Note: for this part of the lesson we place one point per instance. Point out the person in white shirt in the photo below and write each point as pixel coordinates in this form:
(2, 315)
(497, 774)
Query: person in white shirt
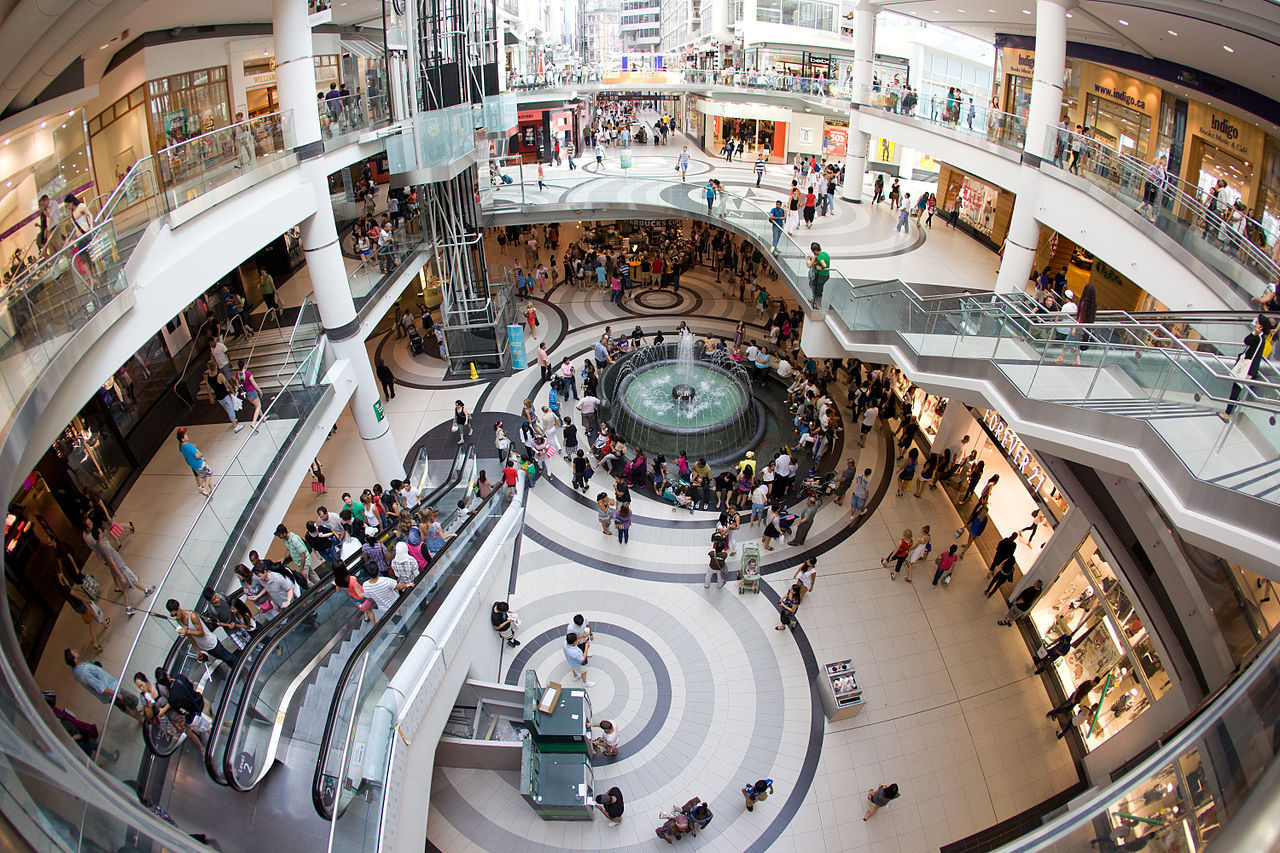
(784, 368)
(759, 500)
(786, 470)
(383, 591)
(607, 743)
(580, 626)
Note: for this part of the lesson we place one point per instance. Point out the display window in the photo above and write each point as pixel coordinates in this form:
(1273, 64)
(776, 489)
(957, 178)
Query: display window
(978, 204)
(1169, 812)
(1109, 647)
(1118, 127)
(185, 105)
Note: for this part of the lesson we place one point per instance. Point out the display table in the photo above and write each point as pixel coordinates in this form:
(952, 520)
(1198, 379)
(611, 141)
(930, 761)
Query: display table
(840, 690)
(556, 776)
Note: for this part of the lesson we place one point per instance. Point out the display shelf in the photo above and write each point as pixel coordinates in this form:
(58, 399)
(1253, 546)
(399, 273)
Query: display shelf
(840, 690)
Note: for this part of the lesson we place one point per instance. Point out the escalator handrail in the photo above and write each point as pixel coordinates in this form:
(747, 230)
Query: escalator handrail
(290, 619)
(348, 669)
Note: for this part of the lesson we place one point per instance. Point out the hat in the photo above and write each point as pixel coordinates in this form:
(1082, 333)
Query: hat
(751, 454)
(1068, 294)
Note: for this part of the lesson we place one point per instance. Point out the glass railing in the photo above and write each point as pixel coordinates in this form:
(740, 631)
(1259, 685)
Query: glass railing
(612, 189)
(342, 116)
(246, 727)
(1225, 239)
(42, 309)
(200, 561)
(1192, 787)
(363, 710)
(382, 262)
(960, 117)
(189, 169)
(1148, 369)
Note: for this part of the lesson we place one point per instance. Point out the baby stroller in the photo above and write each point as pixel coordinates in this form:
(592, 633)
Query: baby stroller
(416, 347)
(749, 574)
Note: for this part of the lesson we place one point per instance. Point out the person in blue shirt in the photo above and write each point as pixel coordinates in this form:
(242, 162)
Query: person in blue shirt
(777, 217)
(757, 792)
(710, 190)
(102, 684)
(196, 462)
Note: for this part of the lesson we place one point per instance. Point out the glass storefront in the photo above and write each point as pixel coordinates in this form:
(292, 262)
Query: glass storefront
(1118, 127)
(1173, 811)
(977, 203)
(1110, 645)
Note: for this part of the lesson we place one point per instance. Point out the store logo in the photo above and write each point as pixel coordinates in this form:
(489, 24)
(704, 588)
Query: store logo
(1224, 126)
(1015, 450)
(1027, 61)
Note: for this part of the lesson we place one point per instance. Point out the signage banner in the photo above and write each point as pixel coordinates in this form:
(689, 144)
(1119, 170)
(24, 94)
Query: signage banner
(515, 337)
(836, 141)
(1020, 63)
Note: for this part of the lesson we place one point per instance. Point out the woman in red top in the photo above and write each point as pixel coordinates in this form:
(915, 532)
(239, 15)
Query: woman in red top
(342, 580)
(810, 203)
(899, 554)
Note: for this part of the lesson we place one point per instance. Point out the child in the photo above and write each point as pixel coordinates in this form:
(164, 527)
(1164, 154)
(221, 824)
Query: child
(946, 564)
(680, 497)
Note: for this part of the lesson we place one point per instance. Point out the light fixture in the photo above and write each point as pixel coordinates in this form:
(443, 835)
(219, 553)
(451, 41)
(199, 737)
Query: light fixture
(1070, 15)
(1228, 48)
(1123, 22)
(43, 123)
(1172, 33)
(1026, 11)
(104, 46)
(6, 142)
(992, 11)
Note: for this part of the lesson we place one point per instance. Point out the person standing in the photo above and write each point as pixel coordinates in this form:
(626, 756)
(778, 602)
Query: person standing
(544, 361)
(861, 492)
(223, 390)
(759, 168)
(387, 378)
(879, 797)
(868, 421)
(904, 215)
(1249, 361)
(845, 480)
(503, 622)
(576, 656)
(607, 743)
(1002, 563)
(807, 574)
(788, 606)
(682, 163)
(1022, 603)
(191, 627)
(819, 264)
(461, 421)
(102, 684)
(806, 521)
(777, 219)
(716, 567)
(267, 286)
(610, 805)
(298, 552)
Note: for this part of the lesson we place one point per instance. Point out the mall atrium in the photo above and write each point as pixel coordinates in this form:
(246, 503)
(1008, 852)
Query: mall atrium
(487, 425)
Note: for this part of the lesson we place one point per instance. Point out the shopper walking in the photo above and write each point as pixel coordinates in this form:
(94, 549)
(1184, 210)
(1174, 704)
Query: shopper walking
(622, 522)
(387, 379)
(899, 554)
(1022, 603)
(757, 792)
(788, 606)
(610, 805)
(919, 551)
(124, 578)
(223, 390)
(461, 421)
(880, 797)
(103, 685)
(861, 492)
(191, 627)
(1002, 563)
(946, 564)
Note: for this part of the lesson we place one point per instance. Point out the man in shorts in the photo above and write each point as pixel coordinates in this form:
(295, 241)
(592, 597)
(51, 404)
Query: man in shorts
(845, 480)
(868, 421)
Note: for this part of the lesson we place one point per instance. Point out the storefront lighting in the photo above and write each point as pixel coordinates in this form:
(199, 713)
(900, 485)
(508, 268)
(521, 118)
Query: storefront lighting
(43, 123)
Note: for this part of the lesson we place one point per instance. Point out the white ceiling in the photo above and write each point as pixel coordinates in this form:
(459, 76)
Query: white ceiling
(1251, 28)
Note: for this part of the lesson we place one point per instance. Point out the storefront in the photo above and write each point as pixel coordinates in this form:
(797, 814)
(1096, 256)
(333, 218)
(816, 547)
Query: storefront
(760, 128)
(1173, 810)
(1014, 67)
(261, 96)
(1110, 646)
(984, 209)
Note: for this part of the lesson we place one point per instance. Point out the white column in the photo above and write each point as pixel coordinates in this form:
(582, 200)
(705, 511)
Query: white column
(295, 69)
(1046, 107)
(320, 237)
(864, 54)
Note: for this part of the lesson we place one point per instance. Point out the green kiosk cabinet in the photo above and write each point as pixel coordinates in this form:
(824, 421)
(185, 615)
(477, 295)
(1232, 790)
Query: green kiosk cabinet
(556, 777)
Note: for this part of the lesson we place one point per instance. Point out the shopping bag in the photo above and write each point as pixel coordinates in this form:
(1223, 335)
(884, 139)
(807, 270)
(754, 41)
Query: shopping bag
(316, 487)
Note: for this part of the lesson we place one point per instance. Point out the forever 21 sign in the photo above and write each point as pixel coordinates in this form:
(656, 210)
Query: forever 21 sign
(1015, 450)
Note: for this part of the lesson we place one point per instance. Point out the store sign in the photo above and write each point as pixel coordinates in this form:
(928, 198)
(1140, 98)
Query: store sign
(529, 115)
(1019, 457)
(1020, 63)
(1229, 133)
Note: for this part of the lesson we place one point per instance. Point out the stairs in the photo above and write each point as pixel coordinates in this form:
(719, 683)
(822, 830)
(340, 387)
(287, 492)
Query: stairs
(271, 359)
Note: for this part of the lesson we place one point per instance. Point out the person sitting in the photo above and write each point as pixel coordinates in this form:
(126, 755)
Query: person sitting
(680, 497)
(673, 827)
(635, 470)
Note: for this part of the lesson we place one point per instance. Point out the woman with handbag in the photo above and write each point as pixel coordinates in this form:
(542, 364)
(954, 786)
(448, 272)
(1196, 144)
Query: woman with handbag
(224, 394)
(251, 393)
(461, 420)
(1247, 363)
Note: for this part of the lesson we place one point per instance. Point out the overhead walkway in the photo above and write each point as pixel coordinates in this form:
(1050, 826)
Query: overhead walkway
(1142, 395)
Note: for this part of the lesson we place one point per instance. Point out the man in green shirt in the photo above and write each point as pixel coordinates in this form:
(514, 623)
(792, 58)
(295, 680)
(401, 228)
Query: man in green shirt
(267, 285)
(819, 271)
(299, 551)
(357, 508)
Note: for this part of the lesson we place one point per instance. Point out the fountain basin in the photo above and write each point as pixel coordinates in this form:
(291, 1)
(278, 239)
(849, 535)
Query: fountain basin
(702, 408)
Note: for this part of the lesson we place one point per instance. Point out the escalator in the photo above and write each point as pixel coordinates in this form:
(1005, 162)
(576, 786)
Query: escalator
(257, 707)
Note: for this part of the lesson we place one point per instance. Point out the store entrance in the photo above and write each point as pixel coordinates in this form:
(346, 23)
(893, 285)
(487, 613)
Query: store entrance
(1118, 127)
(1207, 164)
(262, 101)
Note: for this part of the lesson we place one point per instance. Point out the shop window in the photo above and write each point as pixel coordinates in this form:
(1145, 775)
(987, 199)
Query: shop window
(185, 105)
(1174, 809)
(1109, 643)
(1118, 127)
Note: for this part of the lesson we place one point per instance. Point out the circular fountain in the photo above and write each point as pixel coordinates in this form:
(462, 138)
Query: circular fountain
(667, 398)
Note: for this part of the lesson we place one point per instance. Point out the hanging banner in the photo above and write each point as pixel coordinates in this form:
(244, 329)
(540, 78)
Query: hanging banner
(515, 337)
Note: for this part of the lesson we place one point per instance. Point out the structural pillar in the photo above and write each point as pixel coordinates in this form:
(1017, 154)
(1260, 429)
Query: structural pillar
(1046, 107)
(296, 84)
(864, 55)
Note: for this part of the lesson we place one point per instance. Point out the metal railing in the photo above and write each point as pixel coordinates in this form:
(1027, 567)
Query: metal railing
(1220, 237)
(961, 117)
(1148, 368)
(344, 115)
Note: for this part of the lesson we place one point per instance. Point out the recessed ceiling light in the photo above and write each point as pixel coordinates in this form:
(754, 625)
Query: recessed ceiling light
(43, 123)
(992, 11)
(1228, 48)
(961, 11)
(6, 142)
(1172, 33)
(1026, 11)
(104, 46)
(1069, 15)
(1123, 22)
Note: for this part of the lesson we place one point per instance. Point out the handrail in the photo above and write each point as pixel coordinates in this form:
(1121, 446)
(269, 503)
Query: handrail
(190, 355)
(297, 324)
(994, 302)
(262, 325)
(1092, 804)
(357, 653)
(287, 622)
(159, 587)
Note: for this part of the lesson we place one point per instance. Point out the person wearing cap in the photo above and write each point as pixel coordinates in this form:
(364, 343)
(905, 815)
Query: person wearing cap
(749, 459)
(299, 552)
(1068, 311)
